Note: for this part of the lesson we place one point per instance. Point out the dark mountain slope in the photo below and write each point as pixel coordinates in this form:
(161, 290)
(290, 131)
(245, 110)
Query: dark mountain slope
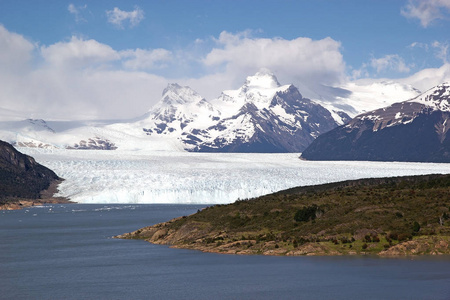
(21, 176)
(413, 130)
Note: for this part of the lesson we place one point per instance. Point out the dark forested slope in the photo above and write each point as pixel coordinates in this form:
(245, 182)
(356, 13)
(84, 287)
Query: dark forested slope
(391, 216)
(21, 177)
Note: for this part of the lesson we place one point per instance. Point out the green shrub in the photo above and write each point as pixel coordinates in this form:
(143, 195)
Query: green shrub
(399, 214)
(393, 236)
(416, 227)
(307, 213)
(404, 237)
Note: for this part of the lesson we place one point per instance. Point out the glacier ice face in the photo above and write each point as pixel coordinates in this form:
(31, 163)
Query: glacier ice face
(209, 178)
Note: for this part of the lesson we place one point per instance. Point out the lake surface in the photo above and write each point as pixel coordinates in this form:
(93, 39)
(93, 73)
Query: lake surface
(66, 252)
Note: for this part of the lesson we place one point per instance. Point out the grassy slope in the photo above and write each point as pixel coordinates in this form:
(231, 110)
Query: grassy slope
(352, 217)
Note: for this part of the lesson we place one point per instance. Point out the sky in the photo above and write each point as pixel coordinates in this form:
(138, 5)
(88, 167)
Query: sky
(108, 59)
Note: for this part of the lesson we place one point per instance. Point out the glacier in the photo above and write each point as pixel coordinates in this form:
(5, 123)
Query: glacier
(121, 176)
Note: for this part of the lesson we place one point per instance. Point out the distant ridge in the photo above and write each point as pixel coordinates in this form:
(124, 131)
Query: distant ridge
(260, 116)
(416, 130)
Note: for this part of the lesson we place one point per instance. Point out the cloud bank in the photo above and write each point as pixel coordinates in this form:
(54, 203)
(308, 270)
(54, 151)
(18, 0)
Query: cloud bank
(82, 78)
(302, 61)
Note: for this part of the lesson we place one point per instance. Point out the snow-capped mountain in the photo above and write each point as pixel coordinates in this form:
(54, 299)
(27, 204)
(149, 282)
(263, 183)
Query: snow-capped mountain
(180, 109)
(361, 96)
(260, 116)
(413, 130)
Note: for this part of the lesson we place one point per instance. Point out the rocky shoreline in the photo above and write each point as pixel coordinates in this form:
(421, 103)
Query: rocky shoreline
(219, 242)
(395, 216)
(46, 197)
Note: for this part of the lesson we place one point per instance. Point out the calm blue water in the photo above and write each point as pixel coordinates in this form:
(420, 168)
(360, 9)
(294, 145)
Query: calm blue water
(66, 252)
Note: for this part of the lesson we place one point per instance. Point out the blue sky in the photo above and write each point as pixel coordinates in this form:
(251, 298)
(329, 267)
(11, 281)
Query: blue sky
(97, 55)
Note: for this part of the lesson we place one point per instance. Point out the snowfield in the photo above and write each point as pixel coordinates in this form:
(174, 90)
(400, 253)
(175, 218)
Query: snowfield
(94, 176)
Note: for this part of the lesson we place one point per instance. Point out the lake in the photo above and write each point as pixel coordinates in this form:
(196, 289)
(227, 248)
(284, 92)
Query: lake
(66, 252)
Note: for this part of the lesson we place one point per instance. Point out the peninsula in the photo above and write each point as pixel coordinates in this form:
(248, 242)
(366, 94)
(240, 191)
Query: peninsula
(381, 216)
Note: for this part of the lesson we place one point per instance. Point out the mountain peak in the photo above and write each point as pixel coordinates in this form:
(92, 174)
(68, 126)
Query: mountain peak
(171, 87)
(177, 94)
(262, 79)
(438, 98)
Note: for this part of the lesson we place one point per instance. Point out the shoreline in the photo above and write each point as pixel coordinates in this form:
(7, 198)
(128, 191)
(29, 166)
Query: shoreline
(46, 197)
(161, 234)
(395, 216)
(423, 246)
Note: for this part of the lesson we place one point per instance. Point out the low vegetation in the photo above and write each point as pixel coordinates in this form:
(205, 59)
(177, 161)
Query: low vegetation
(387, 216)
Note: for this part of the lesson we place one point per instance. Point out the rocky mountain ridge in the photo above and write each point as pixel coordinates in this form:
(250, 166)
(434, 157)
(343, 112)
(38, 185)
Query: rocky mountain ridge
(21, 177)
(260, 116)
(412, 130)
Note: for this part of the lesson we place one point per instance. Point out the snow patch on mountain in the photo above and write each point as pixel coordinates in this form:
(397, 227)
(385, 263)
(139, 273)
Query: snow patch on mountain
(180, 109)
(258, 89)
(363, 96)
(437, 98)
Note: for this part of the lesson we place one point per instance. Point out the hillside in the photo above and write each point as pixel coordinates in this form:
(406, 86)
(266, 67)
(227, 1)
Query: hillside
(416, 130)
(24, 181)
(386, 216)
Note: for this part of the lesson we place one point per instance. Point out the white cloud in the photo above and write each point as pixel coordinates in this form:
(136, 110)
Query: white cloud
(442, 51)
(77, 12)
(73, 80)
(118, 17)
(360, 73)
(426, 11)
(428, 78)
(307, 63)
(83, 78)
(419, 45)
(78, 53)
(140, 59)
(392, 62)
(16, 54)
(388, 63)
(91, 94)
(15, 51)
